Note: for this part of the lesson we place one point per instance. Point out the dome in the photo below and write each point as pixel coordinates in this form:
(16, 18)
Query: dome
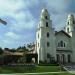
(71, 16)
(44, 13)
(44, 10)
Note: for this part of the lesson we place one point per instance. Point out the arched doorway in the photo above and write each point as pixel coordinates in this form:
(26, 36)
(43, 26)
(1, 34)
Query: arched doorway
(48, 58)
(63, 58)
(58, 58)
(69, 58)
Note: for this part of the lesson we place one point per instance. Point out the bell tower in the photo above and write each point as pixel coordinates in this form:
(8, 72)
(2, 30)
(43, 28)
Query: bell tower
(70, 29)
(45, 38)
(70, 24)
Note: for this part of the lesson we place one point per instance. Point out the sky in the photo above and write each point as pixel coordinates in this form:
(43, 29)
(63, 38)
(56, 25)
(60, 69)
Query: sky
(22, 17)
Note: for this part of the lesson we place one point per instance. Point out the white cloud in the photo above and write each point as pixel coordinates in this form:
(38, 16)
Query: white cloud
(18, 10)
(59, 6)
(20, 18)
(58, 12)
(12, 35)
(5, 41)
(24, 20)
(11, 5)
(30, 3)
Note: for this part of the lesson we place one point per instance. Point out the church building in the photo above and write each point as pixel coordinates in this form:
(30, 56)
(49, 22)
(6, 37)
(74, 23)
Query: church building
(55, 46)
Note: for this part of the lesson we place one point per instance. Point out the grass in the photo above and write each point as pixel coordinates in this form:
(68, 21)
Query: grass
(23, 69)
(38, 69)
(47, 69)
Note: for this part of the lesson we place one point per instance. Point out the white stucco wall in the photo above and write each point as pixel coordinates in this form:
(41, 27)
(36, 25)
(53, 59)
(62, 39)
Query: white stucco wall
(62, 37)
(73, 46)
(66, 56)
(53, 39)
(42, 50)
(67, 50)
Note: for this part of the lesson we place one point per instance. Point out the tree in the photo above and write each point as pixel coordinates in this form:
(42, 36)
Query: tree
(13, 50)
(19, 48)
(22, 49)
(1, 50)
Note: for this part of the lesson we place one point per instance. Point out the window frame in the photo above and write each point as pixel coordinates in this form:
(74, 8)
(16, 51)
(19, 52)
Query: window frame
(68, 23)
(68, 29)
(48, 44)
(61, 44)
(46, 17)
(46, 24)
(47, 34)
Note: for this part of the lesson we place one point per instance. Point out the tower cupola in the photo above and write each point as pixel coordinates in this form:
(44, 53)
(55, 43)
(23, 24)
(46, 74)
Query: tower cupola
(45, 14)
(70, 19)
(70, 16)
(70, 25)
(45, 19)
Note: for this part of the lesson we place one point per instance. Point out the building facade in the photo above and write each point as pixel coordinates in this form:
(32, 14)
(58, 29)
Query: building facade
(55, 46)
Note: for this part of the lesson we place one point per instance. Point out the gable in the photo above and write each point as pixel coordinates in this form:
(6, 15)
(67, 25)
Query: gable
(63, 36)
(62, 33)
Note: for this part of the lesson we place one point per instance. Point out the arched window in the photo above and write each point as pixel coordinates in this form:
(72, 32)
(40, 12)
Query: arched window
(68, 23)
(68, 30)
(58, 44)
(47, 34)
(46, 17)
(61, 43)
(58, 57)
(64, 44)
(48, 44)
(46, 24)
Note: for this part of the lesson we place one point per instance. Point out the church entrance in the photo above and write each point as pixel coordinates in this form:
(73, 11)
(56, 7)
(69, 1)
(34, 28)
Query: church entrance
(48, 58)
(63, 58)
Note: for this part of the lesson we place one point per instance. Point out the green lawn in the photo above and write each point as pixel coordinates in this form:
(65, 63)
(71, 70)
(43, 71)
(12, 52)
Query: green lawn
(47, 69)
(38, 69)
(23, 69)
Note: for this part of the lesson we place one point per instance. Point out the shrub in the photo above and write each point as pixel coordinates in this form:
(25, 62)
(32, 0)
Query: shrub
(48, 64)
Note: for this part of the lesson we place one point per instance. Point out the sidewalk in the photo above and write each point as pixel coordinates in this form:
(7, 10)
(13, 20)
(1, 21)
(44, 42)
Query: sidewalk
(42, 73)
